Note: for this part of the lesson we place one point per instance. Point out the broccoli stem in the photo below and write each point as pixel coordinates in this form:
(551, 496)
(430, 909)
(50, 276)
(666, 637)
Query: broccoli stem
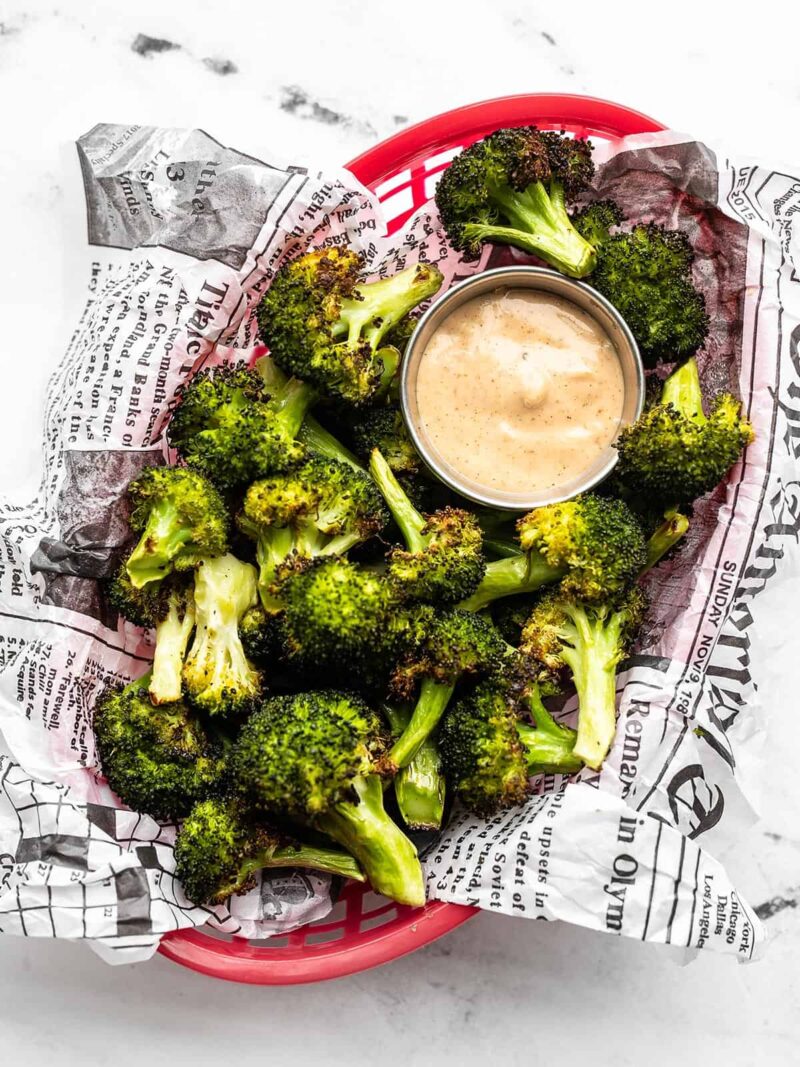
(433, 700)
(665, 537)
(161, 540)
(593, 663)
(378, 306)
(523, 573)
(420, 787)
(540, 225)
(294, 402)
(271, 551)
(404, 513)
(312, 434)
(172, 637)
(682, 390)
(549, 746)
(500, 548)
(386, 855)
(311, 857)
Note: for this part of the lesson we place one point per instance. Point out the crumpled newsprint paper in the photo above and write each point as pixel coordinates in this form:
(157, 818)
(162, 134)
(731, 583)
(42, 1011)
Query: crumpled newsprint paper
(184, 236)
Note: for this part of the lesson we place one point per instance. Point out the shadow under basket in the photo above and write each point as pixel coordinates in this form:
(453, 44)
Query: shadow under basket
(364, 929)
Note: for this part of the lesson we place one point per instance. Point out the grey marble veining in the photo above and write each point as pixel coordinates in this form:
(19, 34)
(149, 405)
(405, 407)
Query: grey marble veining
(321, 82)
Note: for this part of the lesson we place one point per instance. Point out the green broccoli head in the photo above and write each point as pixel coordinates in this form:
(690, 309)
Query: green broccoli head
(261, 635)
(646, 274)
(323, 508)
(219, 678)
(319, 757)
(384, 428)
(443, 559)
(674, 452)
(596, 220)
(228, 427)
(334, 610)
(449, 564)
(482, 754)
(595, 541)
(512, 188)
(181, 519)
(143, 605)
(489, 752)
(158, 760)
(300, 754)
(220, 848)
(324, 324)
(446, 645)
(588, 642)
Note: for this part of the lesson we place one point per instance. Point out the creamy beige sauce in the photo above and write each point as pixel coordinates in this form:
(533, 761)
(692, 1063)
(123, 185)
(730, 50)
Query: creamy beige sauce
(519, 390)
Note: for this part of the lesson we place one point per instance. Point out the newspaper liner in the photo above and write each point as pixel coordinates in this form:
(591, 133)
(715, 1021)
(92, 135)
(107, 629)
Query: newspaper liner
(184, 236)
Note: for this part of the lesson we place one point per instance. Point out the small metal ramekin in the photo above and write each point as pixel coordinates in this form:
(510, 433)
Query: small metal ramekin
(542, 280)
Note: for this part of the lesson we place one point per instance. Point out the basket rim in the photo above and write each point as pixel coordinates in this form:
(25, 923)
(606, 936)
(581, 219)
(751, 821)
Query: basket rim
(412, 928)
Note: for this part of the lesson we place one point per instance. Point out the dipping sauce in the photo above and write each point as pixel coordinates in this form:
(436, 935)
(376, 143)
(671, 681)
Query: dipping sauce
(520, 390)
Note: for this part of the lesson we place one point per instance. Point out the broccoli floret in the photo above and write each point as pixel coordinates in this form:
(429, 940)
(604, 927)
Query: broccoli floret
(596, 220)
(218, 676)
(588, 641)
(181, 519)
(419, 788)
(449, 646)
(512, 188)
(443, 560)
(593, 544)
(232, 430)
(334, 611)
(489, 753)
(323, 508)
(674, 453)
(324, 324)
(158, 760)
(220, 848)
(262, 635)
(167, 605)
(646, 274)
(312, 435)
(319, 757)
(384, 428)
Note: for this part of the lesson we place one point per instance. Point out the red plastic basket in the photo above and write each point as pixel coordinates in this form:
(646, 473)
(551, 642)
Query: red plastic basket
(365, 930)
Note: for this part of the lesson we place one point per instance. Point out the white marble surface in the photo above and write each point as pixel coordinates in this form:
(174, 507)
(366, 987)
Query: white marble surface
(325, 80)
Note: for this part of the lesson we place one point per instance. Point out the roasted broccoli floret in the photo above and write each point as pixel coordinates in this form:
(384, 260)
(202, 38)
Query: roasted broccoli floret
(181, 519)
(158, 760)
(312, 435)
(587, 641)
(512, 188)
(448, 646)
(324, 324)
(489, 752)
(384, 428)
(323, 508)
(593, 545)
(596, 220)
(262, 635)
(334, 611)
(647, 276)
(220, 848)
(219, 678)
(232, 430)
(674, 453)
(319, 757)
(167, 605)
(419, 788)
(443, 560)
